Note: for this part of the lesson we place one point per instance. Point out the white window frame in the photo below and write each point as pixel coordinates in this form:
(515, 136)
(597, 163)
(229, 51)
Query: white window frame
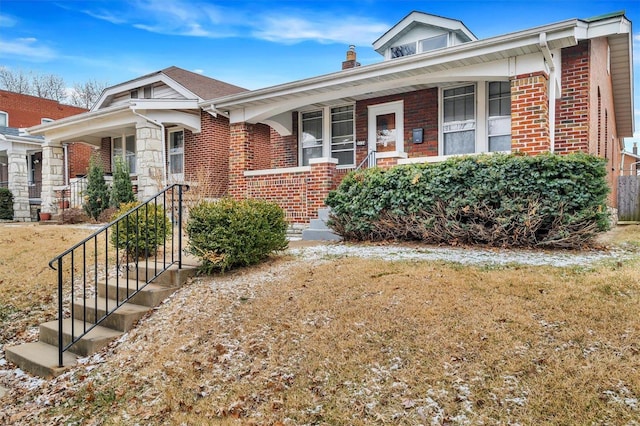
(397, 108)
(498, 117)
(125, 157)
(178, 177)
(327, 135)
(46, 120)
(476, 121)
(6, 118)
(301, 146)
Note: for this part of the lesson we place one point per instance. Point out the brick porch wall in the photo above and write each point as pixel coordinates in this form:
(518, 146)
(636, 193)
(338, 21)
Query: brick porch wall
(79, 155)
(284, 149)
(530, 114)
(206, 154)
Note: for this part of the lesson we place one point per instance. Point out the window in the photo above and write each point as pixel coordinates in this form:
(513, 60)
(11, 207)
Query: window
(342, 140)
(46, 120)
(339, 131)
(499, 122)
(433, 43)
(4, 119)
(459, 121)
(134, 94)
(176, 152)
(128, 154)
(403, 50)
(311, 136)
(148, 92)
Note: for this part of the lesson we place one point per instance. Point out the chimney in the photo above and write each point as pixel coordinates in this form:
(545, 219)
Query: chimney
(351, 59)
(635, 148)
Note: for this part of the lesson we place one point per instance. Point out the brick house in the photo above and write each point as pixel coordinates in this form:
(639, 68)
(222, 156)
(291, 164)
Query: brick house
(21, 153)
(438, 92)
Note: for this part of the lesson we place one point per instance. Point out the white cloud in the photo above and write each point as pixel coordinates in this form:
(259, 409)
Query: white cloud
(26, 48)
(283, 29)
(199, 71)
(7, 21)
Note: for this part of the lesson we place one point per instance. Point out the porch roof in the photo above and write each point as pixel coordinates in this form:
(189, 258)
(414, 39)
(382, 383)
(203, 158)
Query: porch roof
(92, 126)
(478, 59)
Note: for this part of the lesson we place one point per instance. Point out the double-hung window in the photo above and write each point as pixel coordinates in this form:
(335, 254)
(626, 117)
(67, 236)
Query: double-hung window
(4, 119)
(176, 152)
(499, 121)
(459, 120)
(125, 148)
(328, 132)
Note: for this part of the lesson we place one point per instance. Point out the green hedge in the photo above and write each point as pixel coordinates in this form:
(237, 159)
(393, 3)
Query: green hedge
(6, 204)
(229, 233)
(500, 200)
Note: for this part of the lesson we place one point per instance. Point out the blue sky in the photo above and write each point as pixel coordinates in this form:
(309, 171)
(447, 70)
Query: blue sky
(252, 44)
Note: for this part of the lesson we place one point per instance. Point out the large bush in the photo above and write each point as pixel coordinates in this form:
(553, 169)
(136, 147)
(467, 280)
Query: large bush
(500, 200)
(229, 233)
(6, 204)
(143, 231)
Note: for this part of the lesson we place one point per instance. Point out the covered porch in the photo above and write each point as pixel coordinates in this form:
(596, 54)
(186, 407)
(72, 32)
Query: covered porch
(137, 132)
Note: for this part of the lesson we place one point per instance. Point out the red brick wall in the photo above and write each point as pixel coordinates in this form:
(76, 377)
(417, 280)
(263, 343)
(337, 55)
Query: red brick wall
(105, 154)
(79, 155)
(206, 154)
(27, 110)
(239, 159)
(572, 109)
(530, 114)
(284, 149)
(260, 146)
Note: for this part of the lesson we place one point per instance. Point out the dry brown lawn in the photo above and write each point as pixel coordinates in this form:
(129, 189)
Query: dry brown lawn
(352, 341)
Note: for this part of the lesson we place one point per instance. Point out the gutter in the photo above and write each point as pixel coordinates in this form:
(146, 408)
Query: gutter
(162, 138)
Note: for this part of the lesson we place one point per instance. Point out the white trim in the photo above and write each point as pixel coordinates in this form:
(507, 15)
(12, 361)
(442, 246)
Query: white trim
(323, 160)
(391, 154)
(302, 169)
(395, 107)
(6, 114)
(441, 132)
(175, 177)
(327, 134)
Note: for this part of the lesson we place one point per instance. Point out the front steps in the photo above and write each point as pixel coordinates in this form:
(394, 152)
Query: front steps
(318, 229)
(41, 358)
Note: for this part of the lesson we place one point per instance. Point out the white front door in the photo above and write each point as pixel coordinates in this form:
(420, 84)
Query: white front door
(386, 129)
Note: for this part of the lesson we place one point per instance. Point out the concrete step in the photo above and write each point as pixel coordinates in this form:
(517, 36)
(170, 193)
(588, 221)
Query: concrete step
(319, 235)
(40, 359)
(151, 295)
(92, 342)
(323, 214)
(122, 319)
(173, 277)
(318, 224)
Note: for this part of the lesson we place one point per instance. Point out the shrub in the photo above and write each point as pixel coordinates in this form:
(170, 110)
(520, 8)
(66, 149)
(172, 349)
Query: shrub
(229, 233)
(143, 231)
(122, 189)
(97, 193)
(71, 216)
(107, 215)
(499, 200)
(6, 204)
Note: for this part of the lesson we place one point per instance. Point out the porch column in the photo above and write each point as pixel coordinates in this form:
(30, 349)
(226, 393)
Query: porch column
(52, 176)
(148, 160)
(18, 185)
(240, 159)
(530, 114)
(321, 181)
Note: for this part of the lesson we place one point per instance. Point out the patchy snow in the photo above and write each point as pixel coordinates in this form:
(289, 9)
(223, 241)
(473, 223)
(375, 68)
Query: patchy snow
(463, 255)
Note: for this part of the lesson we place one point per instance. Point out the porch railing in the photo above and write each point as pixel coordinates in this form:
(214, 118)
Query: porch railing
(35, 189)
(369, 160)
(97, 261)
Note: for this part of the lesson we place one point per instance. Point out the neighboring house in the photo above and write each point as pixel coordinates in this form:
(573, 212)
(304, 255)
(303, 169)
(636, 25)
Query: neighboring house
(21, 153)
(155, 124)
(438, 92)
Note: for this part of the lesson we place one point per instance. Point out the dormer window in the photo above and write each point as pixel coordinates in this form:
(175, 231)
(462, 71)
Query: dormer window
(134, 94)
(146, 92)
(433, 43)
(403, 50)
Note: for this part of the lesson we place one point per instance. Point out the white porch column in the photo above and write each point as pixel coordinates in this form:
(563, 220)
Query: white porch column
(52, 176)
(148, 159)
(18, 185)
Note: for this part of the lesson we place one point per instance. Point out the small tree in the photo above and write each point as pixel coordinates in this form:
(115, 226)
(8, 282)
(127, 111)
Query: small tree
(122, 190)
(6, 204)
(97, 193)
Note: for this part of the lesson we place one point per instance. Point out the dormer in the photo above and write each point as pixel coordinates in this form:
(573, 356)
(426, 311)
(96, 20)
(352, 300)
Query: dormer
(420, 32)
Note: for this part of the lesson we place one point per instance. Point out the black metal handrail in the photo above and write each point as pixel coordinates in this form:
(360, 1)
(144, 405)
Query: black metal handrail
(86, 271)
(370, 159)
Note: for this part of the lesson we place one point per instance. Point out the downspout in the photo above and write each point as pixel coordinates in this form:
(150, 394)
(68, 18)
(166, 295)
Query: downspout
(548, 57)
(164, 144)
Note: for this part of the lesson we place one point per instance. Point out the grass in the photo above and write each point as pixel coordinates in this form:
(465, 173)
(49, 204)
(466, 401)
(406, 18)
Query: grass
(353, 341)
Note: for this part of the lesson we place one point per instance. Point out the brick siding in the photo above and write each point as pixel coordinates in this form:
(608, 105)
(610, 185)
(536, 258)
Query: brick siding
(530, 114)
(27, 110)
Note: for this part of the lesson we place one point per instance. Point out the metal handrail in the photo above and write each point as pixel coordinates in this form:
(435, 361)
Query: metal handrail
(78, 272)
(370, 159)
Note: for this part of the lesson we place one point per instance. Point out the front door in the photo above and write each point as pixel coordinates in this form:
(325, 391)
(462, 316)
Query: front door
(386, 129)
